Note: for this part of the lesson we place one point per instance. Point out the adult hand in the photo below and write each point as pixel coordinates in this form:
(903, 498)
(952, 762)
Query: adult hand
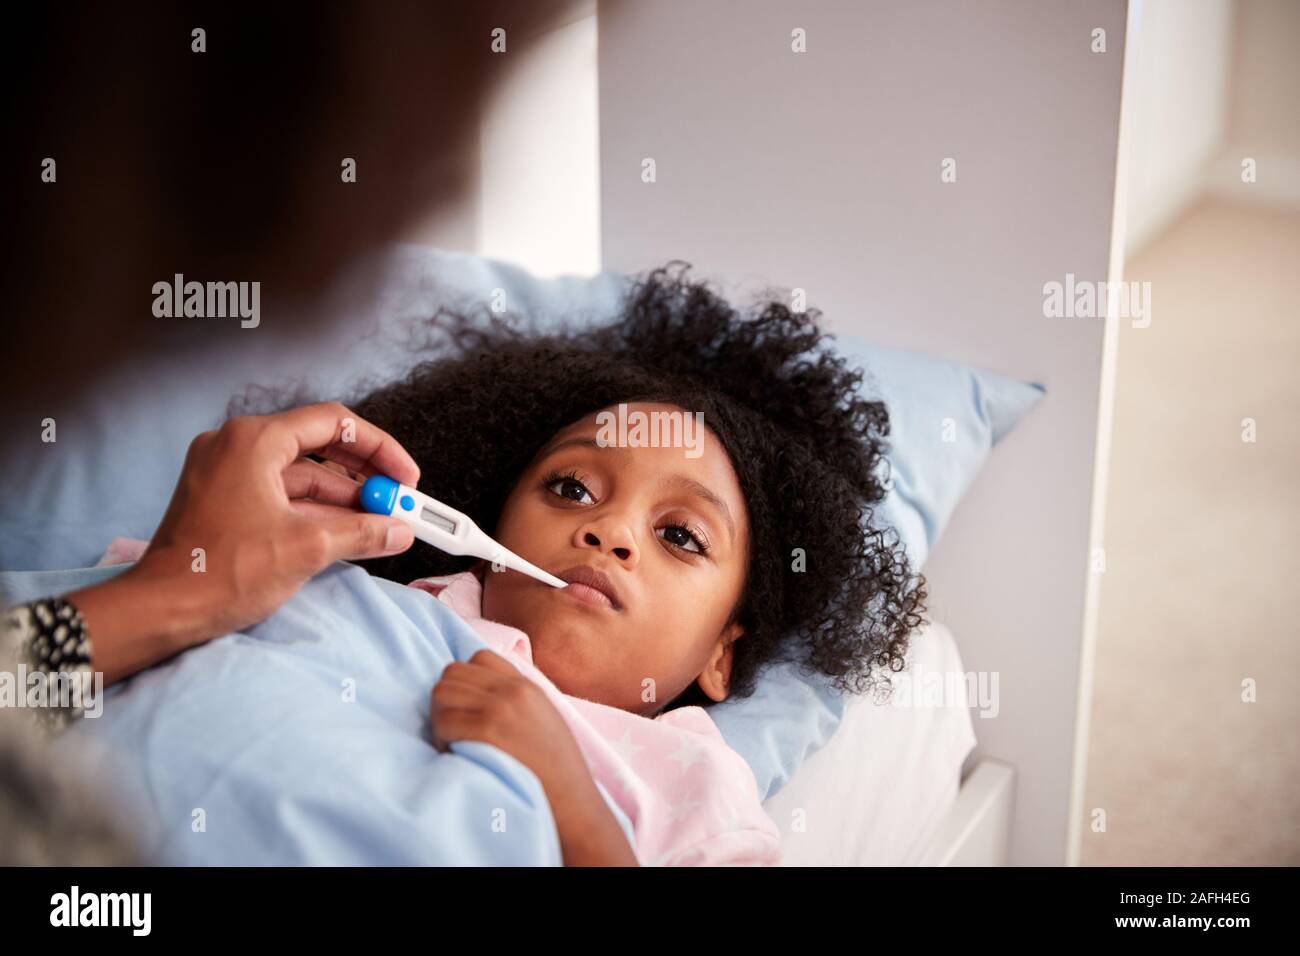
(251, 520)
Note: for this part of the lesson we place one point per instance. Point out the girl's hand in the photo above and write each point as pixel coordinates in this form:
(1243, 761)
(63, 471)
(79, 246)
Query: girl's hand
(251, 520)
(488, 699)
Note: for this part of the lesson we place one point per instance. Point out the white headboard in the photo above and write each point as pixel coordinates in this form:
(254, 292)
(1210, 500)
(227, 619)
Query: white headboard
(821, 170)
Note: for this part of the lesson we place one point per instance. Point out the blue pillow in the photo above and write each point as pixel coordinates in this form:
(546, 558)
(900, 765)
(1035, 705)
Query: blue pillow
(115, 459)
(944, 419)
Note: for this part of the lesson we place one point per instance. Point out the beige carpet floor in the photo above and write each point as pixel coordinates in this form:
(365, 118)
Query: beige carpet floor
(1201, 588)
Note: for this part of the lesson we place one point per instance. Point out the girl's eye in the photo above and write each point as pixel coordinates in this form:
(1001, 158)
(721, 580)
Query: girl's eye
(570, 488)
(566, 485)
(682, 537)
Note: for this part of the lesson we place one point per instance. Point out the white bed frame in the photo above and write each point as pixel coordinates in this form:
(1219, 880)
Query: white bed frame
(821, 170)
(977, 830)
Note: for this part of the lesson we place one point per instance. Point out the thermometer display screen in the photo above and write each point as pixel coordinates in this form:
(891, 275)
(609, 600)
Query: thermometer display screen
(439, 521)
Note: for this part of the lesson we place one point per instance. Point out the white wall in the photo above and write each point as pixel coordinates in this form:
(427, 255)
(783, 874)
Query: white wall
(1263, 105)
(536, 201)
(821, 170)
(1180, 67)
(1213, 82)
(540, 162)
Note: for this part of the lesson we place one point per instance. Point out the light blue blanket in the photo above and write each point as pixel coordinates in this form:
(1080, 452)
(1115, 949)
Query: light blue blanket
(305, 740)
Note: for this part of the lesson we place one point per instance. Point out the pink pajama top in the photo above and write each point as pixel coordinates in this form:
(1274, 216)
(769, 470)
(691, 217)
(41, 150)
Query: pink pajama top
(691, 799)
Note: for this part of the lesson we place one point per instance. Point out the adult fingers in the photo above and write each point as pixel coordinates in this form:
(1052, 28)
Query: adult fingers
(333, 431)
(308, 479)
(351, 536)
(317, 511)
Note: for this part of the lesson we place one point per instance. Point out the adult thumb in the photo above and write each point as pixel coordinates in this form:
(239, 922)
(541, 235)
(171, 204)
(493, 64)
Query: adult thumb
(356, 536)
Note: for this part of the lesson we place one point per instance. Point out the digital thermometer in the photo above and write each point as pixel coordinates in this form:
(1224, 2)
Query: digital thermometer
(443, 527)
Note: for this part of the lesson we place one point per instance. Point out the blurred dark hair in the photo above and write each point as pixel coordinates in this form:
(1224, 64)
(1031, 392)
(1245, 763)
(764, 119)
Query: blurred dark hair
(223, 165)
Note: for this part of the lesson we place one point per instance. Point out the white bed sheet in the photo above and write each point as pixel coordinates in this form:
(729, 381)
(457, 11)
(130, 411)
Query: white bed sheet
(876, 793)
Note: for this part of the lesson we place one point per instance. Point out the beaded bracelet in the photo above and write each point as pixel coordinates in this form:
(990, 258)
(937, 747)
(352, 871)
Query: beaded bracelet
(49, 636)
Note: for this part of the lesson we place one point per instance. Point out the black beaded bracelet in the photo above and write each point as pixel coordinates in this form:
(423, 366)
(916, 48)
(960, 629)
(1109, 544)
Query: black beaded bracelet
(49, 635)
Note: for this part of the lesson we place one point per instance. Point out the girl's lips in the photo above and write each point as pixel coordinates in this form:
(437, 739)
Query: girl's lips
(587, 595)
(592, 587)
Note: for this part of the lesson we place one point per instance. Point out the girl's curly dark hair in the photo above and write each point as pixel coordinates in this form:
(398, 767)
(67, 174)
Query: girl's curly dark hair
(823, 589)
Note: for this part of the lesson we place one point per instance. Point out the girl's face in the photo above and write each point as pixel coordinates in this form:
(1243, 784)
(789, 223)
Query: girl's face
(670, 534)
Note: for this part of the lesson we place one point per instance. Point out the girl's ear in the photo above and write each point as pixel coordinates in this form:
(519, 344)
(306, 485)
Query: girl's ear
(715, 679)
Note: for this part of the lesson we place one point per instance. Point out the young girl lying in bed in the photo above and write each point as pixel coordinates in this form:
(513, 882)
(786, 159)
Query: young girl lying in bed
(691, 566)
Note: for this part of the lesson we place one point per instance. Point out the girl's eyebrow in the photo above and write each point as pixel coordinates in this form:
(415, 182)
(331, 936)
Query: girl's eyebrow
(556, 446)
(702, 491)
(675, 480)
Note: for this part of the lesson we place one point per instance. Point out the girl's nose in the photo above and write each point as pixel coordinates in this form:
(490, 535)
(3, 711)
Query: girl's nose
(612, 537)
